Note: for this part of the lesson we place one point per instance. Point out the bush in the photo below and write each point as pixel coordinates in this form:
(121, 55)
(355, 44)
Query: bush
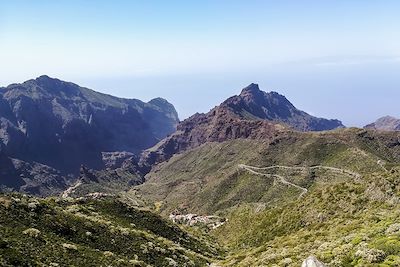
(32, 232)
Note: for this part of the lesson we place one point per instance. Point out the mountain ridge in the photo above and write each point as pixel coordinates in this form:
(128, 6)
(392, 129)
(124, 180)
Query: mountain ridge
(61, 125)
(253, 114)
(276, 107)
(99, 130)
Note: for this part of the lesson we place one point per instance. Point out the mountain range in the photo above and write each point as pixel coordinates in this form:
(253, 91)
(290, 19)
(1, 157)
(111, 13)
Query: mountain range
(252, 182)
(49, 128)
(52, 126)
(252, 114)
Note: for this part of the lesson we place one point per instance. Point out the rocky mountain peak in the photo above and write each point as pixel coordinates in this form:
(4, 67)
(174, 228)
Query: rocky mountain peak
(44, 78)
(44, 86)
(253, 114)
(255, 104)
(386, 123)
(252, 93)
(45, 121)
(388, 118)
(167, 107)
(252, 88)
(158, 100)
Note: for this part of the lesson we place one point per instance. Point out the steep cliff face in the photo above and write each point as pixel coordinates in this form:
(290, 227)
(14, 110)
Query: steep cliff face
(62, 125)
(9, 176)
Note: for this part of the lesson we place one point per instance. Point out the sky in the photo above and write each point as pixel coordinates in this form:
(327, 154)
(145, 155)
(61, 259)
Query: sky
(335, 59)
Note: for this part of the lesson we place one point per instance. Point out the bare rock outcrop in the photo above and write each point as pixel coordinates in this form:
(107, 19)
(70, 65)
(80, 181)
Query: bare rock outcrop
(312, 262)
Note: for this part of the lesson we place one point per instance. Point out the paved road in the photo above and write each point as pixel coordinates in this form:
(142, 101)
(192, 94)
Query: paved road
(281, 179)
(70, 190)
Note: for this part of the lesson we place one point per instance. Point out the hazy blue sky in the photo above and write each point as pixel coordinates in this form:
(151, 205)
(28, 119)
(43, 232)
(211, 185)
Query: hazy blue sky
(337, 59)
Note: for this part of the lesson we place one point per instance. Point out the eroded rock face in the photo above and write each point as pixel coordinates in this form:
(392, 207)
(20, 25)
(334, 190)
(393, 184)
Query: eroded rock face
(29, 177)
(312, 262)
(113, 160)
(218, 125)
(9, 175)
(61, 125)
(38, 179)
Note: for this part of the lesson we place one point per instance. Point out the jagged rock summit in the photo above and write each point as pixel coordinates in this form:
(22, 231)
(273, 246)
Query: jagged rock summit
(252, 103)
(253, 114)
(386, 123)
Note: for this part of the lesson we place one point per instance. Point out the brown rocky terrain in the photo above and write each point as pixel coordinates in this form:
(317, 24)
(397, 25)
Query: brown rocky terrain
(253, 114)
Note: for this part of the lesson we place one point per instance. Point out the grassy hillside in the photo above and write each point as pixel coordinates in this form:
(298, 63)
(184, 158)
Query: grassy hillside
(208, 180)
(347, 216)
(334, 195)
(343, 224)
(108, 181)
(88, 232)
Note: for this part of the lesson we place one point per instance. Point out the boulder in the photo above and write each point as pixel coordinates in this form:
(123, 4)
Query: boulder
(312, 262)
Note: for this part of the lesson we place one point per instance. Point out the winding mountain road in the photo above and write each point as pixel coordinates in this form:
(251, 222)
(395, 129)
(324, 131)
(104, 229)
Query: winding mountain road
(281, 179)
(381, 163)
(70, 190)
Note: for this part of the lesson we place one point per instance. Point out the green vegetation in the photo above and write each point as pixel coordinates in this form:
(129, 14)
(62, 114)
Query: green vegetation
(109, 181)
(207, 179)
(88, 232)
(344, 224)
(348, 216)
(343, 219)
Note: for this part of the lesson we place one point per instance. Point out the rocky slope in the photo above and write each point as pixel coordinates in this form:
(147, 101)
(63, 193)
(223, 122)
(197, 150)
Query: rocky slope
(386, 123)
(61, 125)
(253, 114)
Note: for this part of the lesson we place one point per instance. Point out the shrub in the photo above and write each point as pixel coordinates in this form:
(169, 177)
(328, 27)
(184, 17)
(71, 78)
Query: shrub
(69, 246)
(32, 232)
(371, 255)
(393, 229)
